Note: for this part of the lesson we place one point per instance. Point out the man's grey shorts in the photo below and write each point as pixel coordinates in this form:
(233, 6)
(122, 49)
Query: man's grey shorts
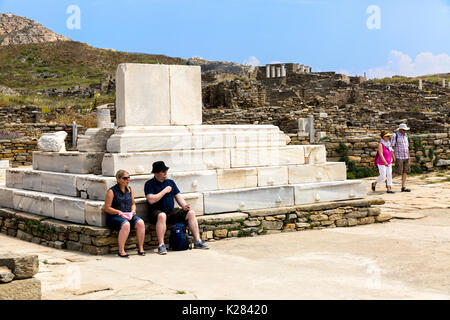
(402, 166)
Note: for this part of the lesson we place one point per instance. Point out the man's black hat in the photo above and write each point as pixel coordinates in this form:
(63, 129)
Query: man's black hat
(159, 166)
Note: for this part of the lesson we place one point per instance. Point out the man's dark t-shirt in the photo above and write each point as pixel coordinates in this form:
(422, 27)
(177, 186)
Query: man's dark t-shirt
(166, 203)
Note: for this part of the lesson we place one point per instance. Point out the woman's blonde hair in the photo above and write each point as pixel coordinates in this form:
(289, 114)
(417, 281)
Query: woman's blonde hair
(120, 174)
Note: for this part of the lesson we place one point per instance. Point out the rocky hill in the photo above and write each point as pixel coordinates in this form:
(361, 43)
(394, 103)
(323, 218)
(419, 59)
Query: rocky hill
(20, 30)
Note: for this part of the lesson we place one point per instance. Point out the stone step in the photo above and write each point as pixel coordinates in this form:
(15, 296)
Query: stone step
(211, 202)
(281, 196)
(75, 209)
(207, 159)
(196, 137)
(69, 162)
(94, 187)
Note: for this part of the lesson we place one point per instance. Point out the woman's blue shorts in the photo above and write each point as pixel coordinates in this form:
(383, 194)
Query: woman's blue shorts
(115, 222)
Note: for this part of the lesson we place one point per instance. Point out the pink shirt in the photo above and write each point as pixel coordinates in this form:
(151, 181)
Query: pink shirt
(386, 155)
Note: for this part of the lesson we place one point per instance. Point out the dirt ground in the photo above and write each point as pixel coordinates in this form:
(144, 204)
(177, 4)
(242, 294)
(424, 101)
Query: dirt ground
(406, 258)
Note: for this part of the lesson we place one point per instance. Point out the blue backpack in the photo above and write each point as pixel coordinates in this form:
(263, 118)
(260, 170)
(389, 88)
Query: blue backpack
(178, 239)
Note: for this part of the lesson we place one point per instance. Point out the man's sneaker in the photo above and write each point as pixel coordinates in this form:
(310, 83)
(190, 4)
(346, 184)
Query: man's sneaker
(200, 245)
(162, 249)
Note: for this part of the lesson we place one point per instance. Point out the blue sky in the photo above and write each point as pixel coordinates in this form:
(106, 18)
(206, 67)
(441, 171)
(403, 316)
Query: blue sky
(330, 35)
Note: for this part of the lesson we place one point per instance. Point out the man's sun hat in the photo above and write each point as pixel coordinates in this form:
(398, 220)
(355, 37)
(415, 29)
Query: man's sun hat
(159, 166)
(403, 126)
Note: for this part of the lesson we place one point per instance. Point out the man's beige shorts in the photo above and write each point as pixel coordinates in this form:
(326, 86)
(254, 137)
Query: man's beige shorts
(402, 166)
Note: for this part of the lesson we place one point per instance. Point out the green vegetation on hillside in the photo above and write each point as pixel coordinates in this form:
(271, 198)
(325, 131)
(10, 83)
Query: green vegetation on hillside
(63, 64)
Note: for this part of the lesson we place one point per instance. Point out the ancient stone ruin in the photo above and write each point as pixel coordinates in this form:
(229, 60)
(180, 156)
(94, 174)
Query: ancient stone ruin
(220, 169)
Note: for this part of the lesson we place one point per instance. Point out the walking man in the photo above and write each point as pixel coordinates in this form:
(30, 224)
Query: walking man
(161, 193)
(399, 141)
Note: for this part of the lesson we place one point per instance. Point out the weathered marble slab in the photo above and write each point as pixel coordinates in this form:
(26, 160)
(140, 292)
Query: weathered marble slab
(59, 183)
(185, 95)
(315, 154)
(248, 199)
(69, 162)
(69, 209)
(195, 181)
(150, 138)
(329, 191)
(94, 214)
(195, 199)
(14, 178)
(6, 197)
(31, 180)
(330, 171)
(256, 157)
(183, 160)
(4, 164)
(272, 176)
(94, 140)
(34, 202)
(142, 94)
(237, 178)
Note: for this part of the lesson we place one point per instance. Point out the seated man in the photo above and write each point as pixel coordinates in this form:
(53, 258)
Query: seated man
(160, 193)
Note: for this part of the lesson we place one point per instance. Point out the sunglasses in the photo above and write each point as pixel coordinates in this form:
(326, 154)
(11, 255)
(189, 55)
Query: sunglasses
(126, 178)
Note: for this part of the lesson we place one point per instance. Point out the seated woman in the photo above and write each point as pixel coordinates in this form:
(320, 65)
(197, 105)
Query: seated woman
(121, 213)
(383, 160)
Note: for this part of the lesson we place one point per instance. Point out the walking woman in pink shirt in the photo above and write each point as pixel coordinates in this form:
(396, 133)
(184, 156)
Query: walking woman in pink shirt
(384, 159)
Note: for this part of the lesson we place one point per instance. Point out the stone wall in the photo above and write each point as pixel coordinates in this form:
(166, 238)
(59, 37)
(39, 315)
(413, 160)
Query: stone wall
(425, 149)
(19, 151)
(99, 241)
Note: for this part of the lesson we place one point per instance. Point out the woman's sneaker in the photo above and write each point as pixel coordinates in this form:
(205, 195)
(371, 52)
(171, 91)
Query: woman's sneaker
(162, 249)
(200, 245)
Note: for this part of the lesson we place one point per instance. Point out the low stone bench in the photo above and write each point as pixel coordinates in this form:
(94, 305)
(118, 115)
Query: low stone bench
(99, 241)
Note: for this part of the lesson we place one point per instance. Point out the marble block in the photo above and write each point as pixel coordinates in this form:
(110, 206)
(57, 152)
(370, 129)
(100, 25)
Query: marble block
(248, 199)
(195, 181)
(59, 183)
(182, 160)
(315, 154)
(4, 164)
(69, 209)
(256, 157)
(195, 200)
(52, 141)
(94, 140)
(237, 178)
(330, 171)
(31, 180)
(329, 191)
(94, 187)
(33, 202)
(69, 162)
(272, 176)
(142, 95)
(154, 138)
(6, 197)
(14, 178)
(94, 214)
(185, 95)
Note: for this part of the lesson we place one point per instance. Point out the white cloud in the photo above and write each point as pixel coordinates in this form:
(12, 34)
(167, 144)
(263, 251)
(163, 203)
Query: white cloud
(252, 61)
(400, 63)
(275, 62)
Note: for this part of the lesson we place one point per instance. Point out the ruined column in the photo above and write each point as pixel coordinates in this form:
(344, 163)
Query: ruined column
(267, 71)
(310, 128)
(283, 71)
(74, 134)
(278, 72)
(420, 84)
(272, 71)
(103, 118)
(443, 83)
